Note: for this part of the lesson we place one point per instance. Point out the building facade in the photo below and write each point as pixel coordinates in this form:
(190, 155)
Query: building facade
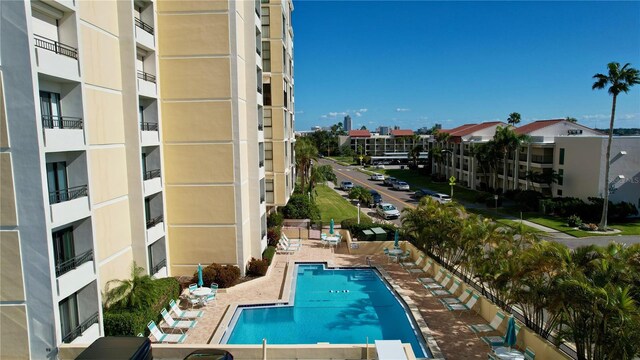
(347, 123)
(385, 149)
(279, 101)
(133, 131)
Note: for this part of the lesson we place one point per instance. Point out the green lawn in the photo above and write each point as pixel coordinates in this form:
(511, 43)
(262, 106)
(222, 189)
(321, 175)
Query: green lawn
(343, 160)
(333, 206)
(630, 228)
(497, 217)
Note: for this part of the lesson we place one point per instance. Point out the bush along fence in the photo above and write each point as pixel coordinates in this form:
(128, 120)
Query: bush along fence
(588, 296)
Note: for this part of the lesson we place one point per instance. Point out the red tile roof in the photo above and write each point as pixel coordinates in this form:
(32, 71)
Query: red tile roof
(359, 133)
(456, 128)
(475, 127)
(402, 132)
(537, 125)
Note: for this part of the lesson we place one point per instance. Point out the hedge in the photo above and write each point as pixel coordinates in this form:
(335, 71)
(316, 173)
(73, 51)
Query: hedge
(223, 275)
(125, 322)
(268, 253)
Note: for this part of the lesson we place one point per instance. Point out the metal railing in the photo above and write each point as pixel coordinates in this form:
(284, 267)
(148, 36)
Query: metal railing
(144, 26)
(260, 126)
(151, 174)
(158, 266)
(68, 265)
(155, 221)
(69, 337)
(148, 126)
(542, 159)
(261, 163)
(257, 6)
(56, 47)
(146, 76)
(58, 196)
(261, 199)
(258, 51)
(61, 122)
(260, 89)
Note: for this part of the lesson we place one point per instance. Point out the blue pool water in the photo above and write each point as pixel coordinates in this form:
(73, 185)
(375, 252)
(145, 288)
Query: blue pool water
(338, 306)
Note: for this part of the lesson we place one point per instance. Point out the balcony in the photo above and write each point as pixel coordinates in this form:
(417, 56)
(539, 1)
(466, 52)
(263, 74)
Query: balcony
(73, 263)
(261, 163)
(260, 126)
(75, 273)
(63, 133)
(85, 333)
(147, 84)
(69, 205)
(152, 182)
(259, 89)
(56, 59)
(159, 270)
(261, 199)
(149, 134)
(155, 229)
(144, 34)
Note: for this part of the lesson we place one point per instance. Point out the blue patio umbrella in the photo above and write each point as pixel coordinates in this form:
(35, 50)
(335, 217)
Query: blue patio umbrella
(331, 227)
(510, 335)
(200, 282)
(395, 240)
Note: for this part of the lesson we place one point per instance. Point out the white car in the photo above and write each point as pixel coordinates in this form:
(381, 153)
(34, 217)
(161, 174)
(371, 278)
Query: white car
(387, 211)
(401, 185)
(346, 185)
(377, 177)
(441, 198)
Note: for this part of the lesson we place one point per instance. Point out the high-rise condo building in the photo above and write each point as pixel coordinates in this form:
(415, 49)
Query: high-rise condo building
(347, 123)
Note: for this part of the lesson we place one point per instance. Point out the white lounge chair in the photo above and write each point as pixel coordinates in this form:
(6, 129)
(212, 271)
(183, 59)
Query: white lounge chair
(290, 241)
(464, 307)
(289, 246)
(390, 350)
(171, 323)
(183, 314)
(496, 341)
(492, 326)
(439, 276)
(165, 338)
(413, 264)
(459, 300)
(445, 292)
(424, 270)
(442, 285)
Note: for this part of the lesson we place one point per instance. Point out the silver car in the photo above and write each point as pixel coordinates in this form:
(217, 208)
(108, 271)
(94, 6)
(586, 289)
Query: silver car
(387, 211)
(377, 177)
(401, 185)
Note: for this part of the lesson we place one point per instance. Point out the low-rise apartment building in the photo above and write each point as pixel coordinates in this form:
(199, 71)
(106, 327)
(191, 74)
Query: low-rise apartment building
(384, 149)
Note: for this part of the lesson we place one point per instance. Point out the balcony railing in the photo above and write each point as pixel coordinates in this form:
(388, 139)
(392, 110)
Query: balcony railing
(144, 26)
(146, 76)
(261, 163)
(260, 126)
(258, 51)
(151, 174)
(68, 265)
(257, 7)
(71, 193)
(264, 233)
(541, 159)
(261, 199)
(158, 266)
(61, 122)
(155, 221)
(259, 89)
(69, 337)
(58, 48)
(148, 126)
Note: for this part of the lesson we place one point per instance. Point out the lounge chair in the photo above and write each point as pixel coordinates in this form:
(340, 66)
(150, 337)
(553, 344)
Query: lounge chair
(464, 307)
(192, 287)
(459, 300)
(183, 314)
(288, 245)
(413, 264)
(492, 326)
(442, 285)
(439, 276)
(495, 341)
(390, 350)
(214, 292)
(165, 338)
(529, 354)
(171, 323)
(445, 292)
(424, 270)
(291, 241)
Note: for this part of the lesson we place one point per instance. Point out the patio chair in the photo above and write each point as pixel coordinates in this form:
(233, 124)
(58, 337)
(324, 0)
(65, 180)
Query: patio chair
(439, 276)
(405, 256)
(447, 280)
(171, 323)
(212, 296)
(192, 287)
(464, 307)
(445, 292)
(288, 245)
(413, 264)
(496, 341)
(183, 314)
(424, 270)
(281, 249)
(291, 241)
(490, 356)
(459, 300)
(165, 338)
(529, 354)
(492, 326)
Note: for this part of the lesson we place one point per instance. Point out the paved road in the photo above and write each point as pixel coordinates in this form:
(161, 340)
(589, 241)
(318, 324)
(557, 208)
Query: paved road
(399, 199)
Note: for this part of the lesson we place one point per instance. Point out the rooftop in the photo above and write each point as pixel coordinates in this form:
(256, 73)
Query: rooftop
(359, 133)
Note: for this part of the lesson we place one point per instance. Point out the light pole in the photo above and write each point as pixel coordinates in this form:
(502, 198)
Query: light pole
(358, 213)
(449, 152)
(495, 197)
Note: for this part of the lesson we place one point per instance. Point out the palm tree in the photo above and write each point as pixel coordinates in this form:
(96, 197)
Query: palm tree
(571, 119)
(507, 140)
(620, 79)
(321, 174)
(361, 194)
(513, 119)
(306, 152)
(134, 293)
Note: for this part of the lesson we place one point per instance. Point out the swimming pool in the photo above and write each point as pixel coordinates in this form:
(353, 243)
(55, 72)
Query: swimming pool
(337, 306)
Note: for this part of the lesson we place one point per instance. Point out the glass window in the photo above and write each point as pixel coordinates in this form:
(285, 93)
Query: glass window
(57, 181)
(51, 110)
(267, 94)
(266, 56)
(63, 247)
(69, 316)
(560, 176)
(561, 161)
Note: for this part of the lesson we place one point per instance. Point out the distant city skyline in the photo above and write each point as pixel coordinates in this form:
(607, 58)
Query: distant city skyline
(460, 62)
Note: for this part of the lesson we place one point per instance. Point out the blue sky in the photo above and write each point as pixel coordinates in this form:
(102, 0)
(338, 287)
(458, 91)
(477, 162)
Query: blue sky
(418, 63)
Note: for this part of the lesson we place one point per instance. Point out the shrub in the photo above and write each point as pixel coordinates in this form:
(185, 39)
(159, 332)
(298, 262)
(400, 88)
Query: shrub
(224, 275)
(125, 322)
(275, 219)
(273, 236)
(482, 197)
(589, 227)
(512, 194)
(355, 229)
(268, 253)
(574, 221)
(528, 200)
(300, 207)
(258, 267)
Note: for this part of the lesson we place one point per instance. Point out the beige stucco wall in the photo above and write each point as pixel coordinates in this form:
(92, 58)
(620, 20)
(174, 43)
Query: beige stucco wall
(208, 34)
(201, 205)
(102, 14)
(104, 116)
(196, 121)
(116, 268)
(108, 174)
(199, 163)
(195, 78)
(8, 214)
(100, 57)
(112, 225)
(192, 6)
(14, 342)
(201, 245)
(12, 288)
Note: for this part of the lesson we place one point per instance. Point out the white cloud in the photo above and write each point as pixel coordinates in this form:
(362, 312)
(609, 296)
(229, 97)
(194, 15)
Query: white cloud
(323, 116)
(402, 109)
(596, 116)
(299, 112)
(363, 110)
(358, 114)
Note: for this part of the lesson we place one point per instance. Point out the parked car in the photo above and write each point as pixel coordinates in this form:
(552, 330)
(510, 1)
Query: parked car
(401, 185)
(376, 198)
(420, 193)
(389, 181)
(377, 177)
(381, 166)
(441, 198)
(387, 211)
(346, 185)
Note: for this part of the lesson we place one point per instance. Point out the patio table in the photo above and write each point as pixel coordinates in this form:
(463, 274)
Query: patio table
(396, 253)
(508, 354)
(201, 292)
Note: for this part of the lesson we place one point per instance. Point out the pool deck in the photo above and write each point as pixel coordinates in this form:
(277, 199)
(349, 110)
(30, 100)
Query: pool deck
(450, 330)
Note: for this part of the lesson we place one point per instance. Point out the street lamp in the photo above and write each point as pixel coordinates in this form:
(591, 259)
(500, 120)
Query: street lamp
(358, 213)
(447, 151)
(495, 197)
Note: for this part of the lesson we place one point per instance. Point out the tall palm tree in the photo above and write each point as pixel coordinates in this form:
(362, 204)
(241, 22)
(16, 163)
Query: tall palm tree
(513, 119)
(619, 80)
(134, 293)
(306, 152)
(506, 141)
